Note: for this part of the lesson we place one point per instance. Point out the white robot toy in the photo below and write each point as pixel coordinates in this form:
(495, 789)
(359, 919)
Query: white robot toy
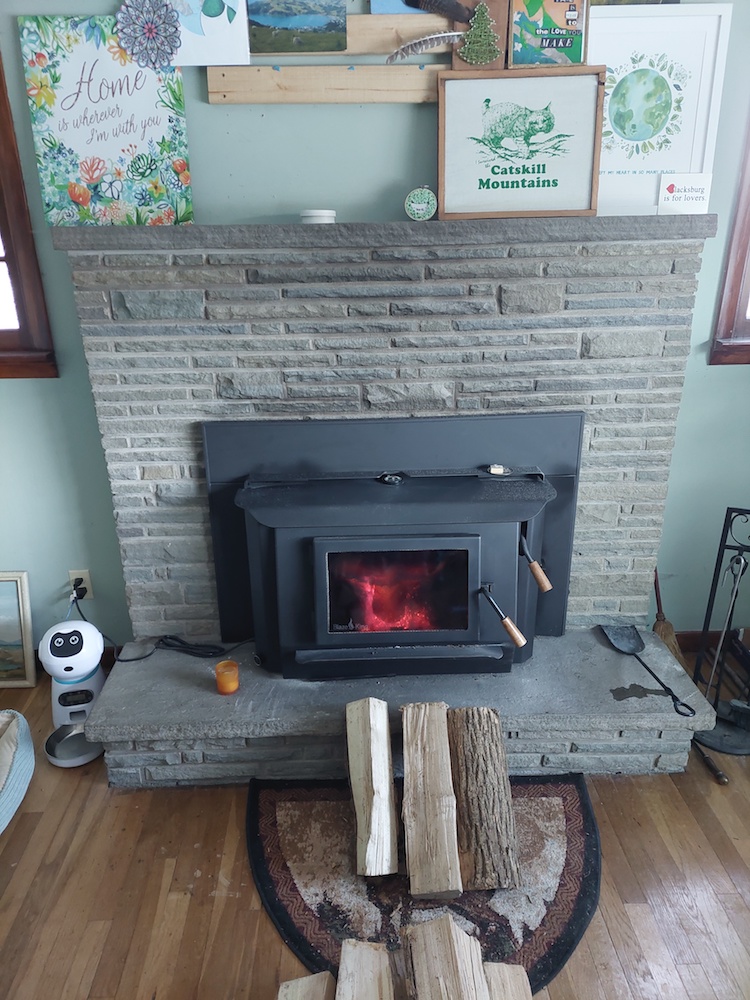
(71, 652)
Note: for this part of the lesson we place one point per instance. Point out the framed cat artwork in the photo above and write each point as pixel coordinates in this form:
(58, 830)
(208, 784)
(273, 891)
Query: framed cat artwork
(517, 143)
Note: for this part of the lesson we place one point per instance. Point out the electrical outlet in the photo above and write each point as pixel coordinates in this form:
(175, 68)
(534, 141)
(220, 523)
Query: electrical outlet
(74, 574)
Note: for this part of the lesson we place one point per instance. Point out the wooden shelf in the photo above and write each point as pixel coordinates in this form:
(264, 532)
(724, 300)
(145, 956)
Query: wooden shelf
(340, 83)
(322, 84)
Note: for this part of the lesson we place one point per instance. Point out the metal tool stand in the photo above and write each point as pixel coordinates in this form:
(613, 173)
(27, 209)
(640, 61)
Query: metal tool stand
(732, 732)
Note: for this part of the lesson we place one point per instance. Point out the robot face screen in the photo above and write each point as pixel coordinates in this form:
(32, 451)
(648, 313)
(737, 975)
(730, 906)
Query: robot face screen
(66, 643)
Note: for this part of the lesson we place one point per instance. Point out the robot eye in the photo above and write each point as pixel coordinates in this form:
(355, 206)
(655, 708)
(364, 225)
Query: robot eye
(74, 639)
(58, 641)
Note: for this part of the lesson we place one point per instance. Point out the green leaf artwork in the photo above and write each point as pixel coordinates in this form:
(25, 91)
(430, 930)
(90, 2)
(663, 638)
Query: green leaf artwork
(643, 105)
(110, 136)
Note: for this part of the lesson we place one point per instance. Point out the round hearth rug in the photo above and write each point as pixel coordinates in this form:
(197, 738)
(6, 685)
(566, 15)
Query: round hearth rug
(301, 845)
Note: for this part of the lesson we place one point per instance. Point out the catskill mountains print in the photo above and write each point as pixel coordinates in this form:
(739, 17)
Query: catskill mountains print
(518, 144)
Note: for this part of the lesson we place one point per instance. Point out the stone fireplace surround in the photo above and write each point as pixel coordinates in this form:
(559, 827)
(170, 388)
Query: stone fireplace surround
(189, 324)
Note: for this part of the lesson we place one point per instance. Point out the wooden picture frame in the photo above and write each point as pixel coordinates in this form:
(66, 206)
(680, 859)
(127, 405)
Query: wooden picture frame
(17, 663)
(547, 33)
(519, 143)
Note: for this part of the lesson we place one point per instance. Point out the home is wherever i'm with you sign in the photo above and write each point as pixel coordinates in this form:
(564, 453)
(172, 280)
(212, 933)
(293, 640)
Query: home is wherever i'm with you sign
(110, 136)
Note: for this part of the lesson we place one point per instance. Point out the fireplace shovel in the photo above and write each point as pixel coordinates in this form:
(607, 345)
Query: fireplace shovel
(627, 639)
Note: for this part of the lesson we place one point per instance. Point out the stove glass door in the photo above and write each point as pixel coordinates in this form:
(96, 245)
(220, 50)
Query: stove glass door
(388, 588)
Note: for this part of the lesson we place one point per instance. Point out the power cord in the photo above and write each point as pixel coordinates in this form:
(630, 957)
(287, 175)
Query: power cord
(174, 642)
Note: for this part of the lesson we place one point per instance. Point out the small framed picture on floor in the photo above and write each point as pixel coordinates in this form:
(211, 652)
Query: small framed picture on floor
(17, 664)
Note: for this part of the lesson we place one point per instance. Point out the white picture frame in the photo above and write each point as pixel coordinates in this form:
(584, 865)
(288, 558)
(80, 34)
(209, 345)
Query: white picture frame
(663, 119)
(17, 662)
(515, 143)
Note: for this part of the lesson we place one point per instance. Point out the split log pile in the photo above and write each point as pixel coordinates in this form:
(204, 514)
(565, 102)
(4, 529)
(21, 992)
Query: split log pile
(442, 963)
(459, 834)
(457, 809)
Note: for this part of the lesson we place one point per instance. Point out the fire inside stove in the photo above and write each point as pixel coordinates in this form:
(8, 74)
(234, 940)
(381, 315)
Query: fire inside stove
(400, 591)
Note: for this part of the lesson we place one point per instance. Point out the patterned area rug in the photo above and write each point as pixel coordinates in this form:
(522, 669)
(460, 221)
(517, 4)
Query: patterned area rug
(301, 844)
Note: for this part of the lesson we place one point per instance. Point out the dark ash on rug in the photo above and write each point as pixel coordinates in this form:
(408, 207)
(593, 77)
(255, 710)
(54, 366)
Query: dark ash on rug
(301, 845)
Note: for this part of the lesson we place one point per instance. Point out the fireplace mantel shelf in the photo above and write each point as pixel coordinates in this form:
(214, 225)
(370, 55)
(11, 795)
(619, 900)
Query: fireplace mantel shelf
(374, 234)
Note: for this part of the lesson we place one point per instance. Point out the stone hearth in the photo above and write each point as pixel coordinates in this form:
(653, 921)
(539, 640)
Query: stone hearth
(576, 706)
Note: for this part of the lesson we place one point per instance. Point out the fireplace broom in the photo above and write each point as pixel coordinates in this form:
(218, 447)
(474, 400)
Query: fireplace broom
(663, 628)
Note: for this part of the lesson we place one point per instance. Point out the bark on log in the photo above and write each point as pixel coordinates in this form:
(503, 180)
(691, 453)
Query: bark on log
(486, 825)
(507, 982)
(444, 963)
(429, 804)
(319, 987)
(364, 972)
(368, 738)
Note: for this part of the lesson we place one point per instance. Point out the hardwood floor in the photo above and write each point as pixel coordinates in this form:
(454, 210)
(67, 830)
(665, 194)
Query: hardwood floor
(147, 895)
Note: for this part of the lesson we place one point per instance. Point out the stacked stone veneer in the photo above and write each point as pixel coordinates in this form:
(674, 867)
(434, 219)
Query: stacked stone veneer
(187, 324)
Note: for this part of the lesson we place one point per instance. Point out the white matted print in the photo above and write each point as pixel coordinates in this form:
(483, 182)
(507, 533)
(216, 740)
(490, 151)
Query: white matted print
(212, 33)
(519, 143)
(665, 70)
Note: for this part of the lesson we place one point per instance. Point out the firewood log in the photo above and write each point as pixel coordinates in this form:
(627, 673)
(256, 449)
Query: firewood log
(444, 963)
(319, 987)
(486, 825)
(368, 739)
(364, 972)
(429, 805)
(507, 982)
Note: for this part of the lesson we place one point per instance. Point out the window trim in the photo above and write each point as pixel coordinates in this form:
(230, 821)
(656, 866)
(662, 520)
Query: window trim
(27, 352)
(730, 344)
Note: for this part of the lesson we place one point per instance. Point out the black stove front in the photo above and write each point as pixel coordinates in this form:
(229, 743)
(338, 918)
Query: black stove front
(393, 546)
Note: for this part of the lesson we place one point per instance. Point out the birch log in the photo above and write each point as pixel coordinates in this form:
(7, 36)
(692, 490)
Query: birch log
(507, 982)
(486, 825)
(429, 804)
(443, 962)
(364, 972)
(368, 739)
(319, 987)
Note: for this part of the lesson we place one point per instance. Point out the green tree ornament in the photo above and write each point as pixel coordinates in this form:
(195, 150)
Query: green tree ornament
(480, 45)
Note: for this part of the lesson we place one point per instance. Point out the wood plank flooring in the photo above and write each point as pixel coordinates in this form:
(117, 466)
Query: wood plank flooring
(147, 895)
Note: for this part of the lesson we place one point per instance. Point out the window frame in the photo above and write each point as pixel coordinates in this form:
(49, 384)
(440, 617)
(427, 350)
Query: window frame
(27, 352)
(730, 344)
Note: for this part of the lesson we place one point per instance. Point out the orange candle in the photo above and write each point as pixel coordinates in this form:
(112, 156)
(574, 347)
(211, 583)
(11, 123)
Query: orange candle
(227, 676)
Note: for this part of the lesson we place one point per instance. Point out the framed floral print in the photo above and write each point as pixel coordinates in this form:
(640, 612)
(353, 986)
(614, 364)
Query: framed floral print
(109, 134)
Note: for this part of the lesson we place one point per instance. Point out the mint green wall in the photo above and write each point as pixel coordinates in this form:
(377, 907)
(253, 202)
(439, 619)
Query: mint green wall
(711, 463)
(254, 164)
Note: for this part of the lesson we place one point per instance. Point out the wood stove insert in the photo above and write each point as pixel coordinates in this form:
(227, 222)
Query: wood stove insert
(387, 546)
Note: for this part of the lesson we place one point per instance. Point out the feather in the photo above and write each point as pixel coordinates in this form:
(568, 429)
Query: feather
(452, 9)
(420, 45)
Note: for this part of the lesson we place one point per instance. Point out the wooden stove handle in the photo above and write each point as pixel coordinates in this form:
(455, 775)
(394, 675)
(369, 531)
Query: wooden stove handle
(516, 635)
(542, 580)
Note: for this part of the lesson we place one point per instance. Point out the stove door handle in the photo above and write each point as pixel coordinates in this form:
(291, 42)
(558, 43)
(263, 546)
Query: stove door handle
(542, 580)
(516, 635)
